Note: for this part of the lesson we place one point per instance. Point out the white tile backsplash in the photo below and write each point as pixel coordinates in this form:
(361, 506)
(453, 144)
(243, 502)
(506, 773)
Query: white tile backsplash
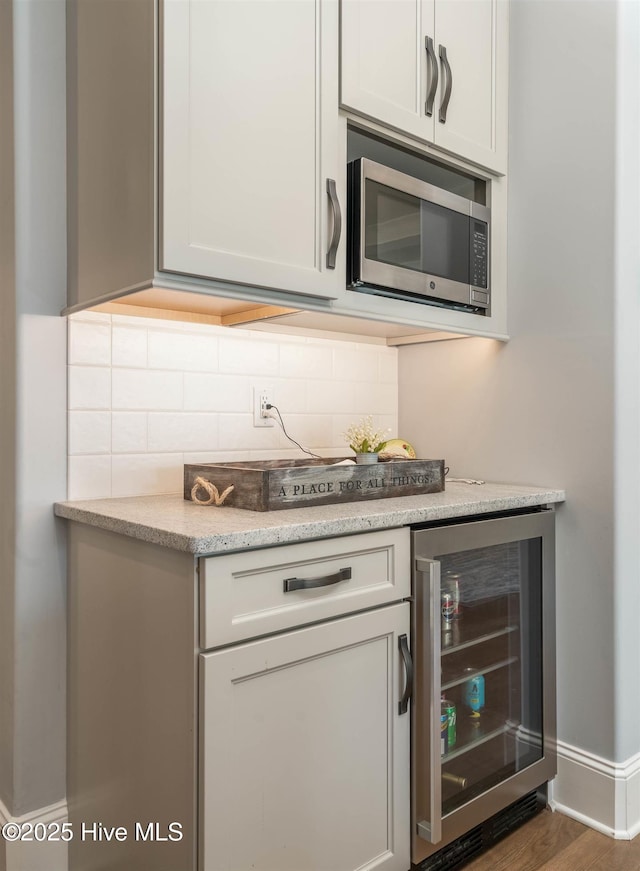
(332, 397)
(90, 343)
(89, 477)
(89, 432)
(89, 387)
(146, 389)
(185, 431)
(306, 360)
(141, 474)
(182, 352)
(248, 356)
(129, 432)
(146, 396)
(204, 392)
(129, 346)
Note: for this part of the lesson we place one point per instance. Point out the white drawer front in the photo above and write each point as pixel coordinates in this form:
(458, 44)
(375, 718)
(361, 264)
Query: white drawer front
(243, 594)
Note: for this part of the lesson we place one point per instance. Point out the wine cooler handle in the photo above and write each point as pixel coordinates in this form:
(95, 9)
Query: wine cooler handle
(403, 704)
(431, 828)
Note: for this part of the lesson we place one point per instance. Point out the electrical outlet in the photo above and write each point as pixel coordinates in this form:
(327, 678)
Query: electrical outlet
(262, 396)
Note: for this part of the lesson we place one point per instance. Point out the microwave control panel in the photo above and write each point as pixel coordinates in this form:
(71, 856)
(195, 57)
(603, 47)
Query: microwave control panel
(479, 254)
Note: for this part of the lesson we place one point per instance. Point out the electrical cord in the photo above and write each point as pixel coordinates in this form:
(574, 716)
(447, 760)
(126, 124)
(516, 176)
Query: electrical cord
(269, 407)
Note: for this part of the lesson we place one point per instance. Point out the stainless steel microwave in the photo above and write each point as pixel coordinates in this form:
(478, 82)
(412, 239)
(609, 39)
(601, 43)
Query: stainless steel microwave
(412, 240)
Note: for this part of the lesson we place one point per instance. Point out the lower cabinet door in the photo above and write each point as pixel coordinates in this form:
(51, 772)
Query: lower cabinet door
(304, 754)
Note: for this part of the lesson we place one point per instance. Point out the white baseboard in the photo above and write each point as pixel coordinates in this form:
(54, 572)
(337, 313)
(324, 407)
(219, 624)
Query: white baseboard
(36, 855)
(601, 794)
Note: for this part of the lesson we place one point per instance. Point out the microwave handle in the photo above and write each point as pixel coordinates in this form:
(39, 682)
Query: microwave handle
(337, 223)
(432, 73)
(446, 74)
(429, 624)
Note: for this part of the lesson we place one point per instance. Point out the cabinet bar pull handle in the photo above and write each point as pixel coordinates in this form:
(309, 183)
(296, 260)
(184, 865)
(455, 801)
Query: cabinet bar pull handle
(291, 584)
(429, 625)
(446, 74)
(403, 704)
(337, 223)
(432, 76)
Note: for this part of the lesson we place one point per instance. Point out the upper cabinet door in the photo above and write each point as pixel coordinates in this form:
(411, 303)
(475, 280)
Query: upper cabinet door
(386, 73)
(250, 138)
(435, 70)
(473, 80)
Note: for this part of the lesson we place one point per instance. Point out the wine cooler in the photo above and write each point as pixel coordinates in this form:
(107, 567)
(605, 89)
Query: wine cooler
(483, 727)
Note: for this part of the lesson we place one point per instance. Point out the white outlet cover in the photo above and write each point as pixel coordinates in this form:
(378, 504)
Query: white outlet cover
(258, 393)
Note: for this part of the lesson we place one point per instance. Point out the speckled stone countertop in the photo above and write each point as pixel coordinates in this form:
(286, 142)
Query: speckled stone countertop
(173, 522)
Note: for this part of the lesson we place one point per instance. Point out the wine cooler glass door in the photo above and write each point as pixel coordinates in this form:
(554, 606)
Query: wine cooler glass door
(491, 680)
(482, 606)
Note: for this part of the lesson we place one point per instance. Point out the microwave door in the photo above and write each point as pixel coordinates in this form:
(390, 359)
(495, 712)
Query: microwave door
(445, 252)
(392, 227)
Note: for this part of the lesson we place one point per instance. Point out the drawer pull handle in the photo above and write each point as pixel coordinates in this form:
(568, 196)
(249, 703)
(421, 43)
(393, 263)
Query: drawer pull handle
(403, 646)
(291, 584)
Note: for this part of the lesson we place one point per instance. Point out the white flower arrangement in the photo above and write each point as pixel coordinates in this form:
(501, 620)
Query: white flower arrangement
(363, 439)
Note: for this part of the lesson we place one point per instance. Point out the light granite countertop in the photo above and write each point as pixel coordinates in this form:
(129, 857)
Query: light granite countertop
(173, 522)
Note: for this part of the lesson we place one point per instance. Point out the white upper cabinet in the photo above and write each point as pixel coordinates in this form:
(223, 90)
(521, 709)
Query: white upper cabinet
(435, 70)
(250, 137)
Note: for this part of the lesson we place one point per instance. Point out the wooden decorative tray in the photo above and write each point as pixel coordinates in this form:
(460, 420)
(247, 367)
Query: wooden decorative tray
(269, 485)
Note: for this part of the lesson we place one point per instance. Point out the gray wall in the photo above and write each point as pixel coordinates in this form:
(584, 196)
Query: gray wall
(547, 408)
(7, 406)
(32, 670)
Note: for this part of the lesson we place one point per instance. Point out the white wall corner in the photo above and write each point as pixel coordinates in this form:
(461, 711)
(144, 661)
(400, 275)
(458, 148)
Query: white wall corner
(35, 854)
(601, 794)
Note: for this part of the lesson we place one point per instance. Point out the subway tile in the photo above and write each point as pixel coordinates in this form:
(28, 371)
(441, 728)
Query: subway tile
(184, 328)
(294, 454)
(89, 432)
(144, 389)
(216, 456)
(90, 343)
(182, 431)
(91, 317)
(376, 399)
(337, 453)
(388, 366)
(182, 351)
(203, 392)
(289, 394)
(311, 430)
(129, 346)
(237, 432)
(249, 356)
(355, 364)
(129, 432)
(89, 387)
(146, 474)
(331, 397)
(195, 405)
(89, 477)
(305, 360)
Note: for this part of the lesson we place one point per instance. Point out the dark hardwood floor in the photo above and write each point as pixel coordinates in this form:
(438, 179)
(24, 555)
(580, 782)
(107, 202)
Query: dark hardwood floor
(553, 842)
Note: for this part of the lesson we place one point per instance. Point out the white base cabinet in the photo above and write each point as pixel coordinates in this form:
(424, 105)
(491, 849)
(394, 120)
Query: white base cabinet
(305, 756)
(282, 749)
